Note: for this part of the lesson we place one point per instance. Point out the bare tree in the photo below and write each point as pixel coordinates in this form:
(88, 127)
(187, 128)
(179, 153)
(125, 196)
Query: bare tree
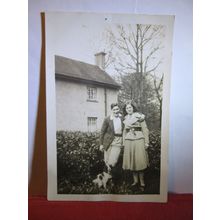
(158, 86)
(135, 50)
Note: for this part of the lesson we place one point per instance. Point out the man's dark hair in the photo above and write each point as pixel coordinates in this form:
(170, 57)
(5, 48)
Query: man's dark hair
(113, 105)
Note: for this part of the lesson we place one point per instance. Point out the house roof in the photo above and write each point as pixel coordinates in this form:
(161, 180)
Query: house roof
(82, 72)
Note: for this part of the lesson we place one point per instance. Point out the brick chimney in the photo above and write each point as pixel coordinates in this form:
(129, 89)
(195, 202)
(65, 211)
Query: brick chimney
(100, 60)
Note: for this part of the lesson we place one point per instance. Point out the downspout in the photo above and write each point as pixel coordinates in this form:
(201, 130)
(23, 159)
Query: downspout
(105, 101)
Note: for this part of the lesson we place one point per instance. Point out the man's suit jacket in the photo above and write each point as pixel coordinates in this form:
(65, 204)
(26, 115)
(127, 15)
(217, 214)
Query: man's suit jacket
(107, 132)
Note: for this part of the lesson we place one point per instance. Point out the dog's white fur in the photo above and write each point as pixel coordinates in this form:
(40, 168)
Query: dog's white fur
(102, 179)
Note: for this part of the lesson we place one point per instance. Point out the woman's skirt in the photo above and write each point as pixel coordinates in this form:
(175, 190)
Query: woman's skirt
(135, 157)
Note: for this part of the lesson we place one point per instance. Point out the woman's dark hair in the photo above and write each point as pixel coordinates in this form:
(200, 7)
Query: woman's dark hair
(129, 103)
(113, 105)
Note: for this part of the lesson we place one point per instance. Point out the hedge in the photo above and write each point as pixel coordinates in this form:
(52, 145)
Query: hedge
(79, 160)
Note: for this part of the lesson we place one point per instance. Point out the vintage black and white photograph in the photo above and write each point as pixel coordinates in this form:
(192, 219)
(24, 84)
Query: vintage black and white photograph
(108, 106)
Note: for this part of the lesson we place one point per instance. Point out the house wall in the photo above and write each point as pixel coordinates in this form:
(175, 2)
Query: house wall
(73, 107)
(112, 97)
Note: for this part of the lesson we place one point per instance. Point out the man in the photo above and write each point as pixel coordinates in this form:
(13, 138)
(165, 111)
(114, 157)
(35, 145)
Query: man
(111, 137)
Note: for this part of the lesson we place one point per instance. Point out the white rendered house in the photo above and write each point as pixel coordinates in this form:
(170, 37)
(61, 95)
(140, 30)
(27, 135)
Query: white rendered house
(84, 93)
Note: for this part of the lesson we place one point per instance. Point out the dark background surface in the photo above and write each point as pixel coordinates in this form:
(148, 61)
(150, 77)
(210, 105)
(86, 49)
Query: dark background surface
(178, 207)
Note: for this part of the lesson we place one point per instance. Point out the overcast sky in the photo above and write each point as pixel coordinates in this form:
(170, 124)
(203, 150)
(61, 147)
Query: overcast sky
(77, 37)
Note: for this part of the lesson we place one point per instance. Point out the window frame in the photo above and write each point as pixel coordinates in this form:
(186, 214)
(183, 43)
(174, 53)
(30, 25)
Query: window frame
(92, 93)
(91, 125)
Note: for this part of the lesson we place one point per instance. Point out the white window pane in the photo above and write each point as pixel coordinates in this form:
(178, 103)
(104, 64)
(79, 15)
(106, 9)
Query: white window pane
(92, 124)
(92, 93)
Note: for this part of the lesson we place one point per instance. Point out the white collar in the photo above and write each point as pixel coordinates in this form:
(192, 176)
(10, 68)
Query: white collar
(112, 116)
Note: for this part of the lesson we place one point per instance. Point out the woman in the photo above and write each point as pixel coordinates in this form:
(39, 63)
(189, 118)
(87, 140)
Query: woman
(135, 141)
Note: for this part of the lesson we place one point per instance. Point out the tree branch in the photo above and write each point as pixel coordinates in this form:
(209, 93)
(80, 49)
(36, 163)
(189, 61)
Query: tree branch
(154, 68)
(149, 56)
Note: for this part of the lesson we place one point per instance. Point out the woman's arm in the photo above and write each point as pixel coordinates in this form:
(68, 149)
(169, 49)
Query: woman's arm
(139, 116)
(145, 132)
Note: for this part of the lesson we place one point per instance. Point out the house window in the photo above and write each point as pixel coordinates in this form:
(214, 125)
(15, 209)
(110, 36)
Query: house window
(92, 124)
(91, 93)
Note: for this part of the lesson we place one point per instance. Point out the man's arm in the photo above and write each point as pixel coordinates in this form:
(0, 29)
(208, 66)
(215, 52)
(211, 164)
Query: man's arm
(103, 130)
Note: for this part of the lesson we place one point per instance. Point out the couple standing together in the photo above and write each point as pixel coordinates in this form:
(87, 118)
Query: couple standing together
(129, 132)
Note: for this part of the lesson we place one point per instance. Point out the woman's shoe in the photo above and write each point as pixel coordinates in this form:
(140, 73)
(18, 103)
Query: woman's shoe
(134, 186)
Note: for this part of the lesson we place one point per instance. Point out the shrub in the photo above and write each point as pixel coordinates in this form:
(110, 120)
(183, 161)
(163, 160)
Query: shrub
(154, 150)
(79, 160)
(78, 155)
